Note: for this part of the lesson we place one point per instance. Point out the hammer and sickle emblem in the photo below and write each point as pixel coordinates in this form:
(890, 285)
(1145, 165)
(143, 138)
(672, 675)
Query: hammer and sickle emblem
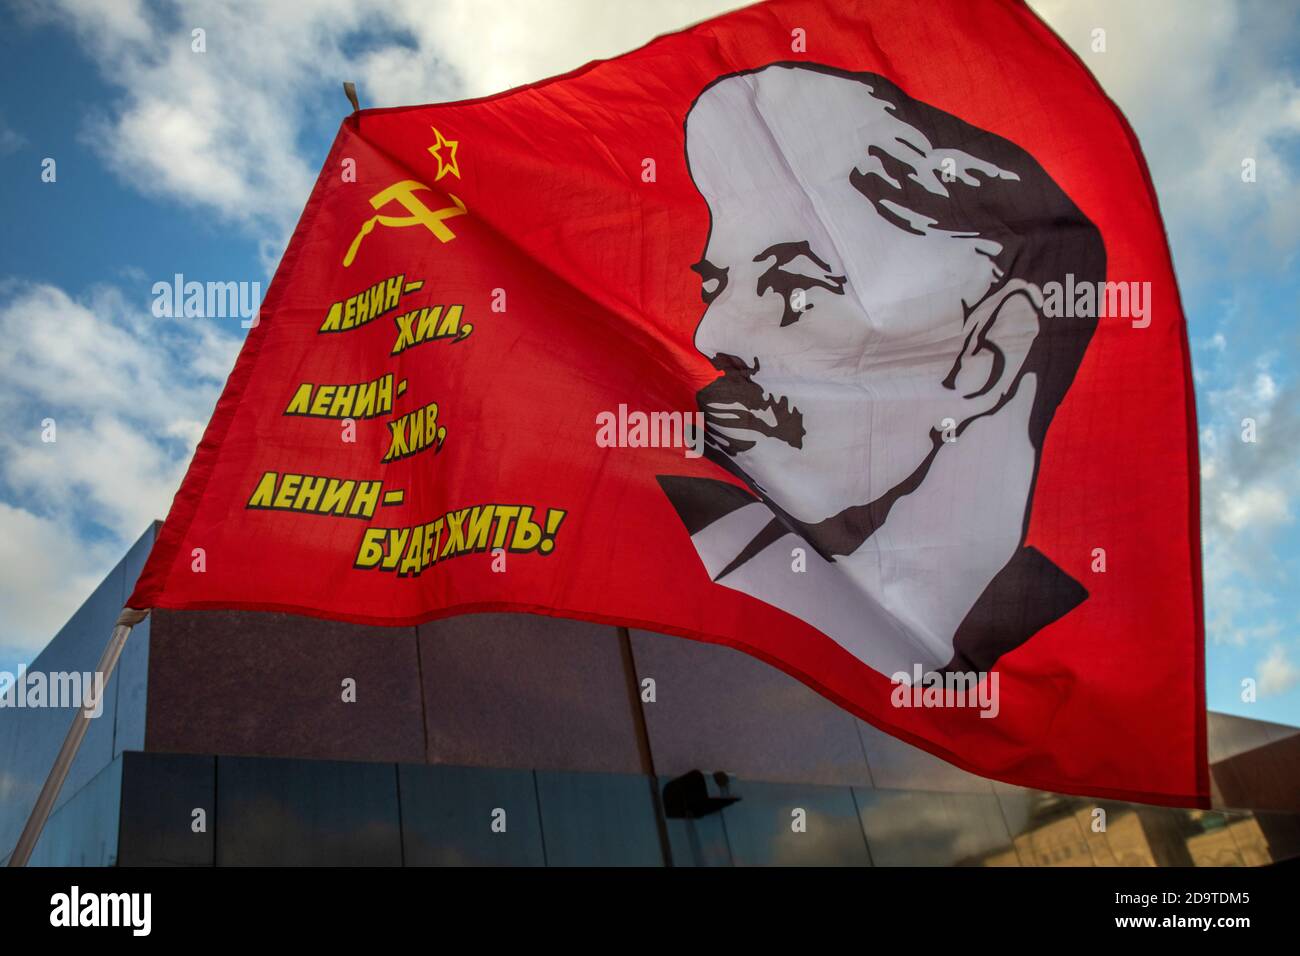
(403, 194)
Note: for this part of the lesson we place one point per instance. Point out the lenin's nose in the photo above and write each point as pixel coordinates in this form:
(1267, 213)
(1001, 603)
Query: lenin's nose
(716, 335)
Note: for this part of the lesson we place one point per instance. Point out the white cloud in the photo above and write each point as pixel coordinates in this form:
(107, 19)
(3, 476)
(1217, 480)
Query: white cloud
(494, 45)
(1249, 507)
(220, 130)
(48, 572)
(1248, 495)
(1277, 674)
(1204, 86)
(129, 395)
(10, 140)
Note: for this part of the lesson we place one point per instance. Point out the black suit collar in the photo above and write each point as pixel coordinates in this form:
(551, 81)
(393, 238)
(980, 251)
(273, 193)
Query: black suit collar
(1029, 593)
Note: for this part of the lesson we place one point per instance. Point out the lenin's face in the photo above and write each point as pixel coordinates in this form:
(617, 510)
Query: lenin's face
(836, 330)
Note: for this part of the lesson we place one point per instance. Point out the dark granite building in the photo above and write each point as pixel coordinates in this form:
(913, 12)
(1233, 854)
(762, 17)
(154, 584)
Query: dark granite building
(227, 738)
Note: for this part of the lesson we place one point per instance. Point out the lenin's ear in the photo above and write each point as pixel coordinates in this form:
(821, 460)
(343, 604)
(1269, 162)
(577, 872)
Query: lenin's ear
(998, 335)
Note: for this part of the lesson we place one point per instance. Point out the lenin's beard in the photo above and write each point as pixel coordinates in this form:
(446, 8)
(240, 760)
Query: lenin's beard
(735, 401)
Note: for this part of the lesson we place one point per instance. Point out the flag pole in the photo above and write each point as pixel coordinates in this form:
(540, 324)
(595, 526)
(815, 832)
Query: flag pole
(68, 752)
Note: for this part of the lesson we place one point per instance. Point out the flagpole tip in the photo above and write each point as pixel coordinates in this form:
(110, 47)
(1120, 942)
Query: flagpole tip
(350, 89)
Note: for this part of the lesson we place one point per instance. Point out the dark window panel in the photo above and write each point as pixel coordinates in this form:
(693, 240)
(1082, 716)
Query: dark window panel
(274, 812)
(448, 812)
(160, 793)
(591, 819)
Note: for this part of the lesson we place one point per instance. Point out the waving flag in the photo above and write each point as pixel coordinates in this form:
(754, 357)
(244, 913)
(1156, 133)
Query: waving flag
(842, 334)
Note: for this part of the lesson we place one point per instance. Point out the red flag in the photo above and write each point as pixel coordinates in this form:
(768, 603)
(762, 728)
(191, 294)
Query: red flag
(846, 335)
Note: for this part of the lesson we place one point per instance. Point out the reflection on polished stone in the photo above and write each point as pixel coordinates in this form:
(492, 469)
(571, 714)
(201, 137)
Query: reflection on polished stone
(698, 842)
(526, 692)
(791, 825)
(912, 828)
(1045, 829)
(470, 816)
(718, 708)
(897, 765)
(598, 819)
(277, 812)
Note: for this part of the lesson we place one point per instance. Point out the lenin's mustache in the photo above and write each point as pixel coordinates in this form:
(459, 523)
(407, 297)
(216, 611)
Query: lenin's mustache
(735, 401)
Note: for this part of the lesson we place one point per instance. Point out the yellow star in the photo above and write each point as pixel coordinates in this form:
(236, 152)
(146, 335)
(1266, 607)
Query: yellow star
(448, 165)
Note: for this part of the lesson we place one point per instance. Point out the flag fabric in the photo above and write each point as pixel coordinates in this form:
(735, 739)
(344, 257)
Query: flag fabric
(843, 334)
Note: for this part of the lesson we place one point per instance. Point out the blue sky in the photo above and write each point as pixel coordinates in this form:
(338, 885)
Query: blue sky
(171, 161)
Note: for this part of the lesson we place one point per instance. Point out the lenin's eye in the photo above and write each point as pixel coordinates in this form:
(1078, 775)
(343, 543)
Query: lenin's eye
(712, 280)
(794, 270)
